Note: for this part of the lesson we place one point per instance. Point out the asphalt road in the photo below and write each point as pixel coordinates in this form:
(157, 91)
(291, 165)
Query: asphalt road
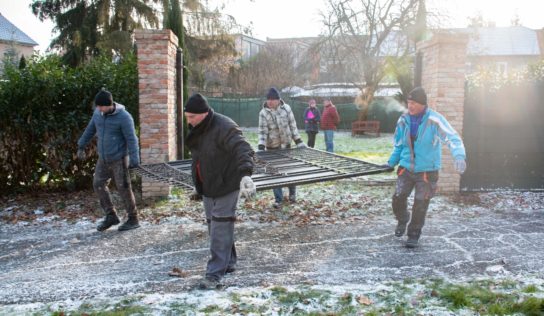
(51, 262)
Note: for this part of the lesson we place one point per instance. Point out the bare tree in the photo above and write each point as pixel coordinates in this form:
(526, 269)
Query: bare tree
(273, 66)
(362, 33)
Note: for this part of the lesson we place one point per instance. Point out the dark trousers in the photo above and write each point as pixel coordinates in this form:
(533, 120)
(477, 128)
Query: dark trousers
(220, 215)
(311, 138)
(118, 170)
(425, 184)
(278, 192)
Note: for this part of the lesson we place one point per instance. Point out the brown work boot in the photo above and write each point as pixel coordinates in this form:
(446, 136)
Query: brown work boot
(131, 223)
(109, 220)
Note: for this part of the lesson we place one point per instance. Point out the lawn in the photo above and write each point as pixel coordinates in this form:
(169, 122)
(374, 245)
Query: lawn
(368, 148)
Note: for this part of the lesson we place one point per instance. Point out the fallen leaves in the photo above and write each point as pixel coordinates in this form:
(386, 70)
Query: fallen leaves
(363, 300)
(178, 272)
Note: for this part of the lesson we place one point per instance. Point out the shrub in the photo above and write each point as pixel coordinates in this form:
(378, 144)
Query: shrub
(44, 108)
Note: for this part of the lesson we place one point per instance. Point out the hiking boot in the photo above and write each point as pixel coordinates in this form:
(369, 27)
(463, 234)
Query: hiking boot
(210, 284)
(292, 199)
(131, 223)
(109, 220)
(276, 205)
(230, 270)
(412, 242)
(400, 229)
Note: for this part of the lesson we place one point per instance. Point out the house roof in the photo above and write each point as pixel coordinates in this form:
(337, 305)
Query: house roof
(9, 33)
(501, 41)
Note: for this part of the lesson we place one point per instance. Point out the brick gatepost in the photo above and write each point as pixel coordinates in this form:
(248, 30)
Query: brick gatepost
(443, 78)
(157, 88)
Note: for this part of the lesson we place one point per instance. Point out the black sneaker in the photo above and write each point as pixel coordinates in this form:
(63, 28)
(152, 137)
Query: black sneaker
(110, 220)
(230, 270)
(412, 242)
(131, 223)
(210, 284)
(400, 230)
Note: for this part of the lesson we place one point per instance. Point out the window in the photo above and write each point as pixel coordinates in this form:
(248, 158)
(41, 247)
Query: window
(502, 68)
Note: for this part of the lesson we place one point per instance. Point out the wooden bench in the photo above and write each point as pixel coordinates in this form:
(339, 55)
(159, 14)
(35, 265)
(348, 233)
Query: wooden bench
(360, 127)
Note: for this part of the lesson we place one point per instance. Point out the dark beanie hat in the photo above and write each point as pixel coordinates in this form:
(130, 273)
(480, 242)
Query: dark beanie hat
(103, 97)
(418, 95)
(197, 104)
(273, 94)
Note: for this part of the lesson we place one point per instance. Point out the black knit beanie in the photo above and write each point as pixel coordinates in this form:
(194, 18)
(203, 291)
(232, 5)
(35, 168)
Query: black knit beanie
(197, 104)
(273, 94)
(418, 95)
(104, 98)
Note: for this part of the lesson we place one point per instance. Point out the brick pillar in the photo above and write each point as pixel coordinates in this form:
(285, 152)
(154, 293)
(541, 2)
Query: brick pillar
(443, 78)
(156, 76)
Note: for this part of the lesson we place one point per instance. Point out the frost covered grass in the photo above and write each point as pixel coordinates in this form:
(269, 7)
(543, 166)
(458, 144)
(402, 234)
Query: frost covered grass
(508, 296)
(369, 148)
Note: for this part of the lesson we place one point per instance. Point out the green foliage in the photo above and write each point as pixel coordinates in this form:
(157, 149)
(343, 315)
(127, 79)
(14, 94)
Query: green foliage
(488, 300)
(43, 110)
(173, 20)
(530, 289)
(494, 80)
(86, 26)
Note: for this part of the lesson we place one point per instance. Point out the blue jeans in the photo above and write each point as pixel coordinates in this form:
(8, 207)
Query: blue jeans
(278, 193)
(329, 136)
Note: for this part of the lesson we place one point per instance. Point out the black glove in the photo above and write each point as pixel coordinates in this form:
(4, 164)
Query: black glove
(81, 154)
(133, 165)
(260, 148)
(194, 196)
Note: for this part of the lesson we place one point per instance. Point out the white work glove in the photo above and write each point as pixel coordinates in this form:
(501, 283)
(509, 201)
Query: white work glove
(460, 165)
(247, 187)
(301, 145)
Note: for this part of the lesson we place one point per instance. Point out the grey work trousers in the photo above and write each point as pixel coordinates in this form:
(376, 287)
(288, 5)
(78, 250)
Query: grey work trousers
(118, 170)
(220, 215)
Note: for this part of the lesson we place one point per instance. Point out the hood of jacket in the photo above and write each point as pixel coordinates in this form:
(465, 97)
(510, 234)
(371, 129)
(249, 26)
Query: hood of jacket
(266, 107)
(118, 108)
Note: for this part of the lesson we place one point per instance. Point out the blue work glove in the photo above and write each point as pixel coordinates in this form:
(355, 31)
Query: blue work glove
(460, 165)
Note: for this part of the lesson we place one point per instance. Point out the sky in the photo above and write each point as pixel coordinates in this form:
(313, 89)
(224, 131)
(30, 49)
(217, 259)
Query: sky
(300, 18)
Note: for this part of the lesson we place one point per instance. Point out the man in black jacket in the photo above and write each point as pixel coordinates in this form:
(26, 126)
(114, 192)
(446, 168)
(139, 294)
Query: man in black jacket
(221, 169)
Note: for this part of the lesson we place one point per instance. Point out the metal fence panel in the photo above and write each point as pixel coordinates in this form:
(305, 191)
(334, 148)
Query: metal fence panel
(278, 168)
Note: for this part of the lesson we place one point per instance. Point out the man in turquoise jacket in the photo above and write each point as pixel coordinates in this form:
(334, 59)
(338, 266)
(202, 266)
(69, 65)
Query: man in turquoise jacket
(118, 150)
(417, 151)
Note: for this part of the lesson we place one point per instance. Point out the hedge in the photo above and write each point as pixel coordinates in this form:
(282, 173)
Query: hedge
(44, 108)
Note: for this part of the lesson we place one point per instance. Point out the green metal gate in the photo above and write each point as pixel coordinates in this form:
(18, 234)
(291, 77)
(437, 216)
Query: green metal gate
(503, 133)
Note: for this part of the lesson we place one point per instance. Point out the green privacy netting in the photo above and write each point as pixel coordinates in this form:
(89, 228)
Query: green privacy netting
(245, 111)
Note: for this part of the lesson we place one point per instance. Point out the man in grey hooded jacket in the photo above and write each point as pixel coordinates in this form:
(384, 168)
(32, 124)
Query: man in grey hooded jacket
(117, 152)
